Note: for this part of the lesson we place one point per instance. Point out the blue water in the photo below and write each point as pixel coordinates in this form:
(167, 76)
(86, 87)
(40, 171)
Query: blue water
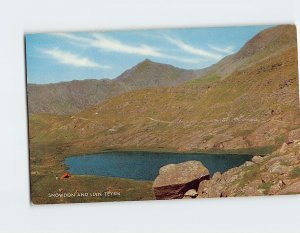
(145, 165)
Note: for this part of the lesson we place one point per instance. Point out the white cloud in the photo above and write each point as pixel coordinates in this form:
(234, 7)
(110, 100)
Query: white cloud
(113, 45)
(117, 46)
(72, 59)
(196, 51)
(72, 37)
(227, 50)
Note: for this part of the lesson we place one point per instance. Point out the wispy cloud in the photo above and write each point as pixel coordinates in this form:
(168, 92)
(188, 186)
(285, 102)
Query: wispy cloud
(68, 58)
(117, 46)
(113, 45)
(227, 50)
(196, 51)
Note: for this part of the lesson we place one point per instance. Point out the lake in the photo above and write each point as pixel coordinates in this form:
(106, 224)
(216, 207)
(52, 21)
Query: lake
(145, 165)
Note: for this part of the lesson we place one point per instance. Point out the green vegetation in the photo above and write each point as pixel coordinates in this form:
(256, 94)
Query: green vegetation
(111, 189)
(295, 173)
(206, 79)
(252, 173)
(266, 186)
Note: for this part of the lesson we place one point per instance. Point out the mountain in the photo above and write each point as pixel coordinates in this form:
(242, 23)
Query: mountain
(269, 41)
(151, 74)
(70, 97)
(252, 106)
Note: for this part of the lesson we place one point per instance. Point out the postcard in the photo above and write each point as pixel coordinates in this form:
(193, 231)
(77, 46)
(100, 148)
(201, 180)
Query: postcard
(163, 114)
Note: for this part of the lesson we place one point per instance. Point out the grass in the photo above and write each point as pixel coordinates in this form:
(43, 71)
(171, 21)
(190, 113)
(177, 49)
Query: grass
(47, 163)
(44, 189)
(246, 151)
(295, 173)
(206, 79)
(266, 186)
(252, 172)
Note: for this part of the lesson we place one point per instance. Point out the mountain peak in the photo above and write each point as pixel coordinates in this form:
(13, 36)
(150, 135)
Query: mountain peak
(146, 61)
(270, 40)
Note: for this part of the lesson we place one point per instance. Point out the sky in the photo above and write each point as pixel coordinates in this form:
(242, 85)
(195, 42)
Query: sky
(59, 57)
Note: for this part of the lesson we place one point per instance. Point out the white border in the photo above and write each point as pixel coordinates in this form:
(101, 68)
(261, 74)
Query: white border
(234, 215)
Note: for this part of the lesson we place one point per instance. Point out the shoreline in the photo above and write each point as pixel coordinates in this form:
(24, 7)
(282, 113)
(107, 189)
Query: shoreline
(262, 151)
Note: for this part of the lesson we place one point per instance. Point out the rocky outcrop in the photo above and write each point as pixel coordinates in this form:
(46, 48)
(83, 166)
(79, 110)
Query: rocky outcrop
(294, 188)
(174, 180)
(273, 174)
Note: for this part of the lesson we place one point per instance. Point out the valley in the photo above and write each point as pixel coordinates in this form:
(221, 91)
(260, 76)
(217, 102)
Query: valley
(247, 103)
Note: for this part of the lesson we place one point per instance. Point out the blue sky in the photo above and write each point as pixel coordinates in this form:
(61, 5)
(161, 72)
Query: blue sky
(57, 57)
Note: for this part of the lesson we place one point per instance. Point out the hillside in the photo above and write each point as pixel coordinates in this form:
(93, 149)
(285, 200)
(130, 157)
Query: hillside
(151, 74)
(261, 46)
(252, 108)
(70, 97)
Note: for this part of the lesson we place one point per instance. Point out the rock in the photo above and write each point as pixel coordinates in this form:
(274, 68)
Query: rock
(276, 187)
(174, 180)
(294, 135)
(232, 178)
(257, 159)
(283, 148)
(267, 176)
(279, 169)
(216, 190)
(294, 188)
(202, 189)
(191, 193)
(248, 163)
(289, 159)
(252, 189)
(212, 188)
(288, 181)
(217, 176)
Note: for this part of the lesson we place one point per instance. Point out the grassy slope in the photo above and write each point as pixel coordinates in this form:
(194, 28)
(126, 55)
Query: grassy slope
(71, 97)
(46, 163)
(251, 108)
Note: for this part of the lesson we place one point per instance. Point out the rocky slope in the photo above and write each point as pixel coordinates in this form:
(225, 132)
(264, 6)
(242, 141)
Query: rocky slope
(269, 41)
(276, 173)
(149, 74)
(70, 97)
(252, 108)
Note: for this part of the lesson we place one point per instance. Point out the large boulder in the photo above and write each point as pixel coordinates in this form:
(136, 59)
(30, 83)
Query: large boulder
(174, 180)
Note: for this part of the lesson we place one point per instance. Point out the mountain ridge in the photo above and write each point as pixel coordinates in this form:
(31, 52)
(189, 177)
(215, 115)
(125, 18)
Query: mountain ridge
(67, 98)
(253, 107)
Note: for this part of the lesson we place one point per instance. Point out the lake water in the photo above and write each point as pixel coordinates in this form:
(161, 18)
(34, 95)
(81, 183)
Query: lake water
(145, 165)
